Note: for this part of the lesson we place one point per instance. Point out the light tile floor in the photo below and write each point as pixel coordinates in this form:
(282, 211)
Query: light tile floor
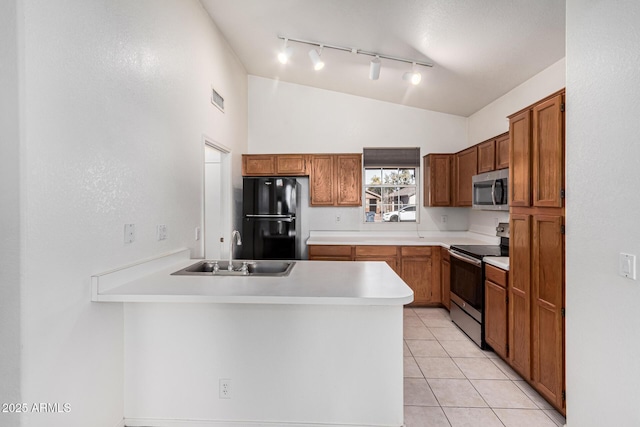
(450, 382)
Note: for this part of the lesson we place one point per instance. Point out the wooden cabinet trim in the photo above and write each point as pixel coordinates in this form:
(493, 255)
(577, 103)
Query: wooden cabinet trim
(496, 275)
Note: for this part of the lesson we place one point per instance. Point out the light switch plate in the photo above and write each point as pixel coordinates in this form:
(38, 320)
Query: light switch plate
(627, 266)
(162, 232)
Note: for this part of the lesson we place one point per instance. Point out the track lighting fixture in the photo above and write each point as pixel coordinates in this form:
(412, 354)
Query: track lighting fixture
(285, 53)
(374, 68)
(413, 76)
(318, 63)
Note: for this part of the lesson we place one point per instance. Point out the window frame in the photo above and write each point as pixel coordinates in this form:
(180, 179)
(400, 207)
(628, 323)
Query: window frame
(366, 186)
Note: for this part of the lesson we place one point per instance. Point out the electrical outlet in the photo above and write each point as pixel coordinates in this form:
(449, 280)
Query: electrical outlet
(197, 233)
(337, 218)
(225, 388)
(162, 232)
(443, 219)
(129, 233)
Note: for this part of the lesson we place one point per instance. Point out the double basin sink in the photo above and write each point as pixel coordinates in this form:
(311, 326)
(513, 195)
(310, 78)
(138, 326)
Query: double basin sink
(240, 268)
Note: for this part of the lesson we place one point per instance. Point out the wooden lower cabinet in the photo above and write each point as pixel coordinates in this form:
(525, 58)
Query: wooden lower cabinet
(547, 297)
(378, 253)
(416, 269)
(330, 252)
(495, 310)
(520, 294)
(445, 277)
(418, 266)
(536, 301)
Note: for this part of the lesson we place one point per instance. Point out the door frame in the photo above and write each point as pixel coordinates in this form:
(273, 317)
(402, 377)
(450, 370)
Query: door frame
(225, 185)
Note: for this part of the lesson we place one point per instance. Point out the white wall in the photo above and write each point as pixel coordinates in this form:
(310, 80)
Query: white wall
(492, 119)
(290, 118)
(116, 102)
(10, 223)
(603, 163)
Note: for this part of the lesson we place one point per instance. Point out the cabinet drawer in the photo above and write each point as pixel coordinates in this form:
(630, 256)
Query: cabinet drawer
(496, 275)
(329, 251)
(416, 251)
(384, 251)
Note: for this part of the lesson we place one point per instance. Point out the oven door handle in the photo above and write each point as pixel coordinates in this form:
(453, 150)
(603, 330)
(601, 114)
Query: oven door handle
(463, 257)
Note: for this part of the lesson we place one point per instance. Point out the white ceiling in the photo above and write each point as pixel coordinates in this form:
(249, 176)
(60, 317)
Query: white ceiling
(481, 49)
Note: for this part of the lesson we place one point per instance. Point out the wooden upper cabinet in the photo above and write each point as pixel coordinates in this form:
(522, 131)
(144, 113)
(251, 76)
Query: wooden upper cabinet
(502, 151)
(335, 180)
(548, 153)
(437, 180)
(487, 156)
(258, 164)
(519, 159)
(349, 179)
(322, 181)
(291, 164)
(466, 165)
(274, 165)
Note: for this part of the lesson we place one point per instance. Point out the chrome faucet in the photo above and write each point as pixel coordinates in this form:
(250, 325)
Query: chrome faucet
(235, 234)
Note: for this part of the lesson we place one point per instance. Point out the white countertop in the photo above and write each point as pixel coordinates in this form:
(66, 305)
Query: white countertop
(403, 238)
(498, 261)
(310, 282)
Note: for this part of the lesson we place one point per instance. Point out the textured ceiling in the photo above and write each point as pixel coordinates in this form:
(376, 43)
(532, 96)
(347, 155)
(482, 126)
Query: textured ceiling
(481, 49)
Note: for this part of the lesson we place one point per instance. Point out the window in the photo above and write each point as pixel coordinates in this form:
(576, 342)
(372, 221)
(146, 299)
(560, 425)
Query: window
(391, 184)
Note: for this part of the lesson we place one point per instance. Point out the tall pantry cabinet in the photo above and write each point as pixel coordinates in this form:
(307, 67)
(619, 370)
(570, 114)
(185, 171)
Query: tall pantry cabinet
(536, 276)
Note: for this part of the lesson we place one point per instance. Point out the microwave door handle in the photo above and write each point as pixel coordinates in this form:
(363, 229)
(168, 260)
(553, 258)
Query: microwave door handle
(493, 192)
(501, 195)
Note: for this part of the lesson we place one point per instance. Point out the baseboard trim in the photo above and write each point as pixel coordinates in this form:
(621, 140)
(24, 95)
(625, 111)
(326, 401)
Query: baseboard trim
(157, 422)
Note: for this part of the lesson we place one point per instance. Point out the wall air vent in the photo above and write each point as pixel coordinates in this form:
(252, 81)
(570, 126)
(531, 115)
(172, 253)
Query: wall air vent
(217, 99)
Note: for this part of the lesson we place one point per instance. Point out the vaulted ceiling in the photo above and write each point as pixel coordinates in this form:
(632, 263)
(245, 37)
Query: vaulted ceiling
(481, 49)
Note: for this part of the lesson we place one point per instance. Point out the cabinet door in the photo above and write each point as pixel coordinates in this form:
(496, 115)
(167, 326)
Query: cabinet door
(445, 278)
(291, 164)
(520, 159)
(416, 272)
(548, 153)
(258, 164)
(520, 294)
(502, 151)
(349, 180)
(495, 317)
(547, 289)
(466, 167)
(437, 180)
(321, 181)
(487, 156)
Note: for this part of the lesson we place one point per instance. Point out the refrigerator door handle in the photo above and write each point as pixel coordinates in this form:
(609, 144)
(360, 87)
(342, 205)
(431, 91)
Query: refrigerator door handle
(270, 218)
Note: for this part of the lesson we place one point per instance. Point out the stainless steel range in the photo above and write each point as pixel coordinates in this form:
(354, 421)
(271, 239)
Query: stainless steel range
(467, 283)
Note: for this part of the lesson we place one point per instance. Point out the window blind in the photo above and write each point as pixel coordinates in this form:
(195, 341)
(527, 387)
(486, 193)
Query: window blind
(387, 157)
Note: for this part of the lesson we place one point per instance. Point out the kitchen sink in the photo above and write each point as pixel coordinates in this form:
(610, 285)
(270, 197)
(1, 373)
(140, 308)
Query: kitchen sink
(240, 268)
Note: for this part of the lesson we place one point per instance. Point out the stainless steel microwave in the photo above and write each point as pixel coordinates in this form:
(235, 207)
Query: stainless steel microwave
(491, 191)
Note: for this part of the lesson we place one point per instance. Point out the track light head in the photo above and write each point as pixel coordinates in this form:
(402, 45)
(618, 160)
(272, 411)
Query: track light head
(413, 76)
(285, 53)
(374, 68)
(316, 59)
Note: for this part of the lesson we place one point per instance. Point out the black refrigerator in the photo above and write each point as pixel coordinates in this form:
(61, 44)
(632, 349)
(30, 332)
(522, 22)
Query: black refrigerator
(270, 224)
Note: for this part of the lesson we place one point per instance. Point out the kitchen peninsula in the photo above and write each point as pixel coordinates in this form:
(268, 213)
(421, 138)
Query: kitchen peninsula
(321, 346)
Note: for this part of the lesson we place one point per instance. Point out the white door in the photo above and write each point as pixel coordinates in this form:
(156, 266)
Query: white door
(214, 213)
